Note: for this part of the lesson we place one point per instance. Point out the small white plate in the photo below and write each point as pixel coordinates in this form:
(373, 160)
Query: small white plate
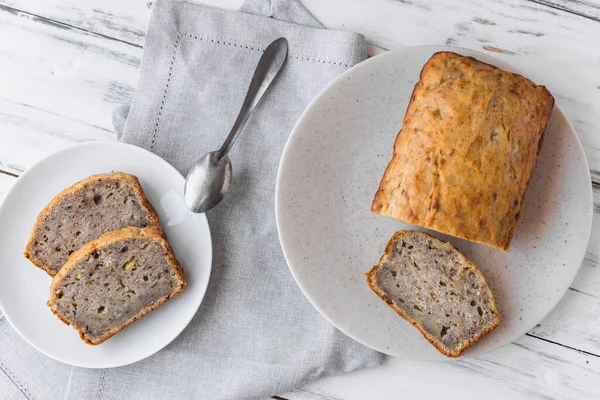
(24, 288)
(331, 168)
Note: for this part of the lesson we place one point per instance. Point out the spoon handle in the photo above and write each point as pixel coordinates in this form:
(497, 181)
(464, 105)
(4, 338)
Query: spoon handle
(268, 67)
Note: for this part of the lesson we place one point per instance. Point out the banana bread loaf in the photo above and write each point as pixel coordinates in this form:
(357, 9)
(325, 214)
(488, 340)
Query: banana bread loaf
(466, 152)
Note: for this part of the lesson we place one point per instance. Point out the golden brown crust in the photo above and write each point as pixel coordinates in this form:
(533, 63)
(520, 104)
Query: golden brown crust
(152, 232)
(466, 152)
(73, 189)
(430, 338)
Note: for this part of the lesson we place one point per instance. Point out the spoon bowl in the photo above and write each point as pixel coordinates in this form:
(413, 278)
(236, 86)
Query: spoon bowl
(207, 182)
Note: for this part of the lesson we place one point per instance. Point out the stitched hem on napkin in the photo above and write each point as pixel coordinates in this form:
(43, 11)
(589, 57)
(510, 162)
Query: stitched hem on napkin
(176, 22)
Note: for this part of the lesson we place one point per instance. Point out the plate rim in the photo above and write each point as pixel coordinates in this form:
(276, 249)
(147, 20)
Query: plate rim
(203, 219)
(305, 115)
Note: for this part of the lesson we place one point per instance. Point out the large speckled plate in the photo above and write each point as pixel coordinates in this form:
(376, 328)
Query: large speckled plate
(24, 288)
(331, 168)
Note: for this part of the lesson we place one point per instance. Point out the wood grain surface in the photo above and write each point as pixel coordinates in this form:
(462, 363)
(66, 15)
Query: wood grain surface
(65, 65)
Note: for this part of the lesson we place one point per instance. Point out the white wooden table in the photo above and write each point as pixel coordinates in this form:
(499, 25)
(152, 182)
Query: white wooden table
(65, 64)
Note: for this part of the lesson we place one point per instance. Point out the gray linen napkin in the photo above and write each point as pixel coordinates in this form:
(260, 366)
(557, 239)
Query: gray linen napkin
(255, 334)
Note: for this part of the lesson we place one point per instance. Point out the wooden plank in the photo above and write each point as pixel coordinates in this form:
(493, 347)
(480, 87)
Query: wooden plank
(125, 21)
(524, 33)
(122, 20)
(526, 369)
(64, 92)
(41, 132)
(574, 322)
(588, 9)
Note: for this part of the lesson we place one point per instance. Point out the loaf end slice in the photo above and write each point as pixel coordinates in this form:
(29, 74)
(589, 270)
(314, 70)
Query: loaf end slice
(83, 212)
(115, 280)
(437, 289)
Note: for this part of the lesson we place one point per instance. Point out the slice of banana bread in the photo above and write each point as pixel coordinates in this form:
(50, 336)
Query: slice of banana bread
(437, 289)
(83, 212)
(115, 280)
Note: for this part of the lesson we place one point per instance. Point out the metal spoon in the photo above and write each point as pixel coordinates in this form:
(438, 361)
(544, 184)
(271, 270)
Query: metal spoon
(209, 178)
